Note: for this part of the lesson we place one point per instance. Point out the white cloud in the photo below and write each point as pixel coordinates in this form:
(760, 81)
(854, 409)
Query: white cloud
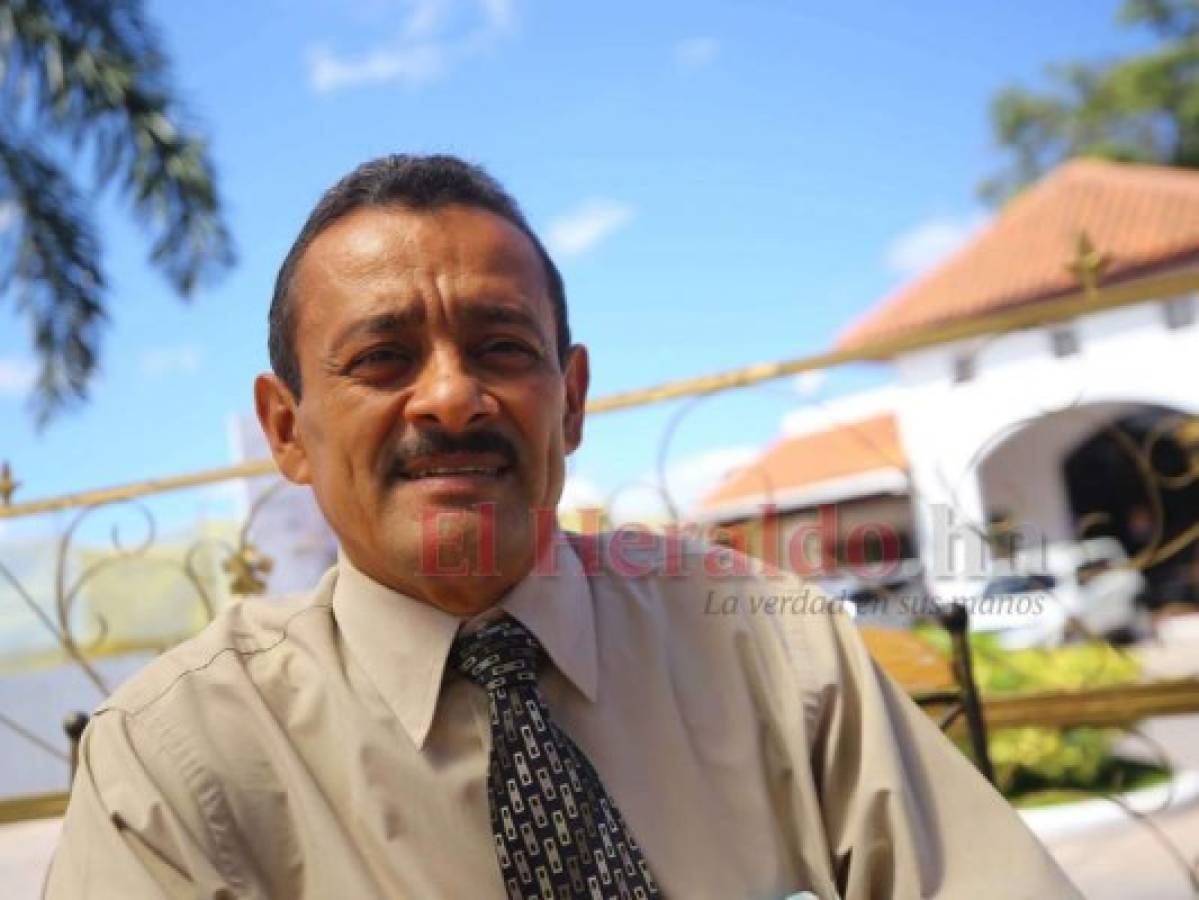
(688, 481)
(436, 36)
(425, 18)
(586, 226)
(693, 477)
(696, 52)
(923, 246)
(809, 384)
(17, 376)
(501, 14)
(821, 415)
(412, 66)
(183, 359)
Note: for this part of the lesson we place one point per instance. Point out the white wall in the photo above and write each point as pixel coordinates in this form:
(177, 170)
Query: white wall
(1022, 476)
(1125, 356)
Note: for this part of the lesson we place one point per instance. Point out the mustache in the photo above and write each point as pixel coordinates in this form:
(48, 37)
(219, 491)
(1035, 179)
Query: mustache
(437, 442)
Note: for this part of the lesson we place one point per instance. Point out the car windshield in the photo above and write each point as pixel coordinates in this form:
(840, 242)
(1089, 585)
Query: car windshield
(1019, 584)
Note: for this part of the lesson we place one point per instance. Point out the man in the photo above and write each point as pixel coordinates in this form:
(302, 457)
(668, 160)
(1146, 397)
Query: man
(473, 703)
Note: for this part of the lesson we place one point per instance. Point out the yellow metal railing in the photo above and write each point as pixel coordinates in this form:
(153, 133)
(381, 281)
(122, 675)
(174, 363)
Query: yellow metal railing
(1029, 315)
(1099, 706)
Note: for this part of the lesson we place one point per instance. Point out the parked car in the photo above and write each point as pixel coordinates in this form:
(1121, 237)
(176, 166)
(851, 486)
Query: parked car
(1054, 592)
(895, 600)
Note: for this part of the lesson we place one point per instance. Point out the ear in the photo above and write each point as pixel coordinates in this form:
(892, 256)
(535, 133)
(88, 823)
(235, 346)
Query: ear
(577, 377)
(276, 408)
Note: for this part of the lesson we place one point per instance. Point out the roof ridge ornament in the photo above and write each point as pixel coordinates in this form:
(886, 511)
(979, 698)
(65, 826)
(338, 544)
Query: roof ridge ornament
(8, 486)
(1089, 264)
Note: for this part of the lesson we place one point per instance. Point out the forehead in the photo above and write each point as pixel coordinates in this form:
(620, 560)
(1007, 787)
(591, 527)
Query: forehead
(377, 259)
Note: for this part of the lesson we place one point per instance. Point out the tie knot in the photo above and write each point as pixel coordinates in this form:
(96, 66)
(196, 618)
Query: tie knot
(501, 654)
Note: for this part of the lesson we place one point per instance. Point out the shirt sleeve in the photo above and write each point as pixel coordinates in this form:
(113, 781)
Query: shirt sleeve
(134, 827)
(904, 813)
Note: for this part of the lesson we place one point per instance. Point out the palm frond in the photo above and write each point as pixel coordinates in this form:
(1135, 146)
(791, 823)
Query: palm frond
(89, 77)
(51, 262)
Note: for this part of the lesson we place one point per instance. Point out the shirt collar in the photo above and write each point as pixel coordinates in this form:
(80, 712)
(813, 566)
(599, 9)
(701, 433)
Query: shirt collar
(403, 643)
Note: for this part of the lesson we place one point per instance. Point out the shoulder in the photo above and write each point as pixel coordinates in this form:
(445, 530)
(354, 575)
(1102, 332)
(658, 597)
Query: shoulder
(705, 592)
(221, 657)
(182, 750)
(699, 577)
(717, 615)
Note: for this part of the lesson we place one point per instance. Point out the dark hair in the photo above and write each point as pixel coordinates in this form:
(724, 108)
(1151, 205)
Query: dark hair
(412, 182)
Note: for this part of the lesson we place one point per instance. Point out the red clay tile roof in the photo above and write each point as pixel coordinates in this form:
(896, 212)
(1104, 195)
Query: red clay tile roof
(1140, 216)
(807, 459)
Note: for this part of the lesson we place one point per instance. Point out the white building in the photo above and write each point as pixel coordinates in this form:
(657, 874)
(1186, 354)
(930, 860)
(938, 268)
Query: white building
(1084, 427)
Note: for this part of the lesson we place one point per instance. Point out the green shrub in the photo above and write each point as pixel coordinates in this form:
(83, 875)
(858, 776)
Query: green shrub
(1034, 759)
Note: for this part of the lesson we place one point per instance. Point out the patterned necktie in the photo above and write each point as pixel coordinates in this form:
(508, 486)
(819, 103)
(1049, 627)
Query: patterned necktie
(558, 835)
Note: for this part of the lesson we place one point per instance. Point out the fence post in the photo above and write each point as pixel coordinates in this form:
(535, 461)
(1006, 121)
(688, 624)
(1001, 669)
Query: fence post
(956, 621)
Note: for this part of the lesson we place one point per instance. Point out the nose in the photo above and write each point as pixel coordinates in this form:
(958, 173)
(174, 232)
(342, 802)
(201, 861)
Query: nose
(447, 394)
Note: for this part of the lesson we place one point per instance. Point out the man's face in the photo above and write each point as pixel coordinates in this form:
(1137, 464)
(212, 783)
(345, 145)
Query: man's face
(430, 386)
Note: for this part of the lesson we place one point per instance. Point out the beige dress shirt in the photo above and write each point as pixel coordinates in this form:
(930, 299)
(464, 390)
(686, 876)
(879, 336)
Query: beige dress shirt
(319, 748)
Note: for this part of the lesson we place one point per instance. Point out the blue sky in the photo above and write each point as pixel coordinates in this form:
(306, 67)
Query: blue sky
(723, 183)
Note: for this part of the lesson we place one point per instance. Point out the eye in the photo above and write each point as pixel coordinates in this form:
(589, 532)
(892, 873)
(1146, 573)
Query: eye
(506, 348)
(379, 358)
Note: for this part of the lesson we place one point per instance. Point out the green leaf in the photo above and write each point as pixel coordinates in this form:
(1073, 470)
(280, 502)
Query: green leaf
(90, 75)
(1142, 108)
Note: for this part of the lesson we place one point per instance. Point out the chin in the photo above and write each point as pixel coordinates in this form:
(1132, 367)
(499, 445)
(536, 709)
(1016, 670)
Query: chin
(455, 542)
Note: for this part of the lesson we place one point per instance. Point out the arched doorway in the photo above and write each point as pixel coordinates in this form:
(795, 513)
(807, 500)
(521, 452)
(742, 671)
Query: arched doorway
(1136, 478)
(1122, 469)
(1021, 479)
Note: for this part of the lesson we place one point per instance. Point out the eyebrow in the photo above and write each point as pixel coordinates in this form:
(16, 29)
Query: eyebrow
(503, 314)
(376, 326)
(402, 320)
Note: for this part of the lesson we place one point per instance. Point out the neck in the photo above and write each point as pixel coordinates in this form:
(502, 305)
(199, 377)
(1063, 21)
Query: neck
(463, 594)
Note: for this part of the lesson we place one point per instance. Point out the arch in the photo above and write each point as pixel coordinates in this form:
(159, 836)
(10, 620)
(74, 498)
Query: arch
(1120, 467)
